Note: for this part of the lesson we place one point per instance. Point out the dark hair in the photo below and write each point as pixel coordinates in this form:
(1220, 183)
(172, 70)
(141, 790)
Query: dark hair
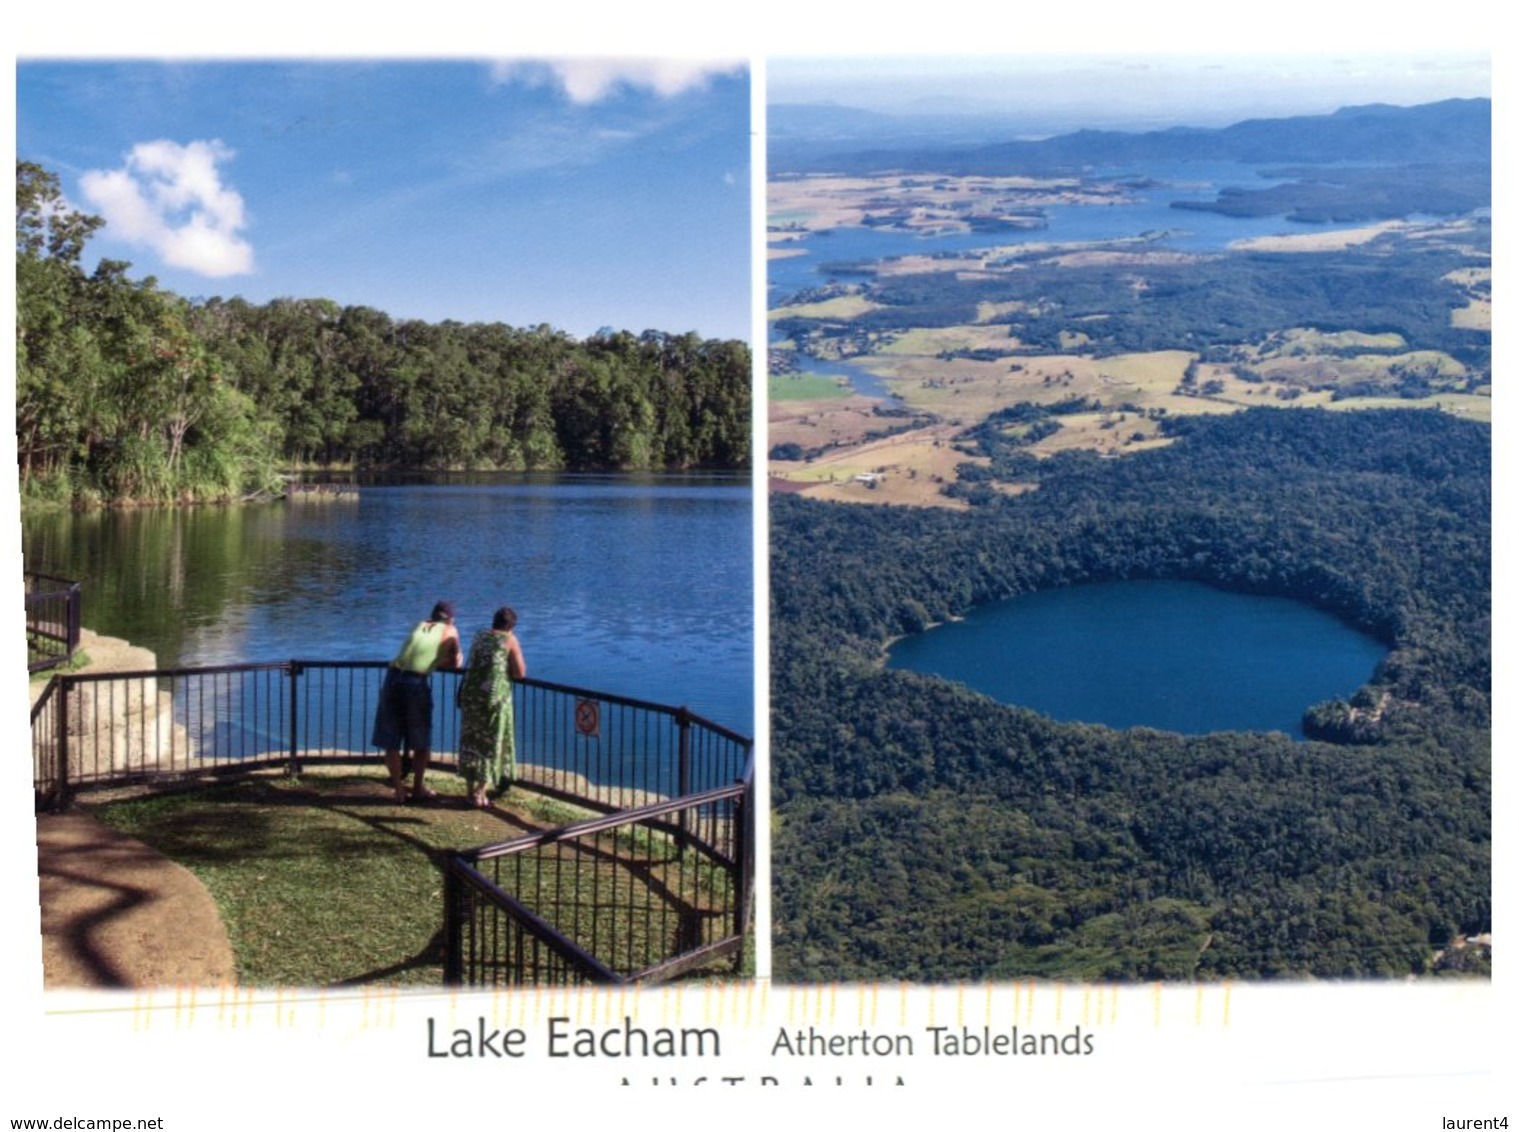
(443, 611)
(506, 618)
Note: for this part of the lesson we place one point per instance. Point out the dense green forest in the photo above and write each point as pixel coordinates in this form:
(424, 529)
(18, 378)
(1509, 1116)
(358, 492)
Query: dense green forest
(1345, 195)
(128, 393)
(1208, 304)
(924, 832)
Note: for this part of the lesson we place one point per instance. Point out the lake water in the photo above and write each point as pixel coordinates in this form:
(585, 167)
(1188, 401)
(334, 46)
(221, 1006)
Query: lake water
(639, 586)
(1149, 210)
(1179, 656)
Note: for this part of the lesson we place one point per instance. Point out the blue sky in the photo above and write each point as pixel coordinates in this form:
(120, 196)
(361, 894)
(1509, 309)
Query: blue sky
(583, 193)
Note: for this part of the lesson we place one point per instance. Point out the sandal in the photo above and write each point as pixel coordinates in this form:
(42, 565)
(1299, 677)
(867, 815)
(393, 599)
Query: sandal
(423, 794)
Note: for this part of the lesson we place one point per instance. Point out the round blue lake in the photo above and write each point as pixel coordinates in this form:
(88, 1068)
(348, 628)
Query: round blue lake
(1179, 656)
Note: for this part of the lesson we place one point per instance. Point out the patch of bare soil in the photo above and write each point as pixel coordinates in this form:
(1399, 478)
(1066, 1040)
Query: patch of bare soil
(116, 913)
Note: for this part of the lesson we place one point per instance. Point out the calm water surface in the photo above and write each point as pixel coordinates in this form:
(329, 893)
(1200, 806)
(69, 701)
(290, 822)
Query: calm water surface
(636, 586)
(1174, 655)
(1148, 210)
(827, 254)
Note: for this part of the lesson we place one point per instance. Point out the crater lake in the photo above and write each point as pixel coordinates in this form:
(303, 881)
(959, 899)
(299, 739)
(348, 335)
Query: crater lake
(1179, 656)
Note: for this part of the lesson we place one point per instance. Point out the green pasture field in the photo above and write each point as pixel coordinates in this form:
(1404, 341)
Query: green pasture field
(930, 341)
(1297, 367)
(1307, 341)
(967, 389)
(840, 306)
(1309, 367)
(1472, 406)
(807, 387)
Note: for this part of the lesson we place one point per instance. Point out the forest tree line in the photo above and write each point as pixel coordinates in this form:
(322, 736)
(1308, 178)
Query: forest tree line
(127, 392)
(1209, 304)
(923, 831)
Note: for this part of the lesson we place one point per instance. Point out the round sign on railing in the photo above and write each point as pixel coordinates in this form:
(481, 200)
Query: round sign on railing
(588, 718)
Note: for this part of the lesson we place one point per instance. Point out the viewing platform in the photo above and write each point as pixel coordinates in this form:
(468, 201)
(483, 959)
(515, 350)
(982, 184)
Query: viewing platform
(657, 883)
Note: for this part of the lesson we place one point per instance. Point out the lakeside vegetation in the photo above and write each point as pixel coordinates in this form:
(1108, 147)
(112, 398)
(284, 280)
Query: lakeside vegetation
(130, 394)
(923, 831)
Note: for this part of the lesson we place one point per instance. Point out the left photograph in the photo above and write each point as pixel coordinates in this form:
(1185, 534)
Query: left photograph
(384, 436)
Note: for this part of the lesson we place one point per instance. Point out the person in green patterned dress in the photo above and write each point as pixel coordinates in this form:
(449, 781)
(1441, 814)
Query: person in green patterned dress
(487, 749)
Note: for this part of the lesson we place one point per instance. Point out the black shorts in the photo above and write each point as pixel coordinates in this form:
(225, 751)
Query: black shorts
(404, 715)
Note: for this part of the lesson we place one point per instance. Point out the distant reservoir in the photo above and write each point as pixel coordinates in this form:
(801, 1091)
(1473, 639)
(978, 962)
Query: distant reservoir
(1179, 656)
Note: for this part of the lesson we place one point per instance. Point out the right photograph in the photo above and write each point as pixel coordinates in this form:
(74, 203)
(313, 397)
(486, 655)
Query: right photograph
(1129, 452)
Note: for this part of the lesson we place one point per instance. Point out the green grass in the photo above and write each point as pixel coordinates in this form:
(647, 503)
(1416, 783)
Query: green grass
(322, 881)
(636, 899)
(79, 660)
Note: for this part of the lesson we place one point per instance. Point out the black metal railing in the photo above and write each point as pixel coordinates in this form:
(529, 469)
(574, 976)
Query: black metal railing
(49, 754)
(52, 621)
(600, 750)
(111, 729)
(614, 753)
(639, 896)
(661, 884)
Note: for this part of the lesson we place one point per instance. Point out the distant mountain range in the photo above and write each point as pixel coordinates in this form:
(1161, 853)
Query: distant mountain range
(1455, 131)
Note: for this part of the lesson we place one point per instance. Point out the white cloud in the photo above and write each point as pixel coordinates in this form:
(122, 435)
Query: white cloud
(590, 80)
(170, 198)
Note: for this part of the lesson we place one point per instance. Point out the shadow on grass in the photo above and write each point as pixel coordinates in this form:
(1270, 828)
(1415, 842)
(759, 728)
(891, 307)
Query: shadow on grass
(320, 881)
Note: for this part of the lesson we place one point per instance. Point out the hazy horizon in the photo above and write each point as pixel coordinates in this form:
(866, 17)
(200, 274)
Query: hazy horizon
(1042, 94)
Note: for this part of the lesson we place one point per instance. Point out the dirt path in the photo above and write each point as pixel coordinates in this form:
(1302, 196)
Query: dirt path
(118, 914)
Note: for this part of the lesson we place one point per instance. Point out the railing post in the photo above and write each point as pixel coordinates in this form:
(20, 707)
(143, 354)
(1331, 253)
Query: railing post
(453, 950)
(75, 618)
(293, 766)
(683, 787)
(683, 721)
(62, 745)
(742, 876)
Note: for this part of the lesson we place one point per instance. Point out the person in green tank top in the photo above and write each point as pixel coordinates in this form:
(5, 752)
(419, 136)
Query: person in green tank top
(404, 713)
